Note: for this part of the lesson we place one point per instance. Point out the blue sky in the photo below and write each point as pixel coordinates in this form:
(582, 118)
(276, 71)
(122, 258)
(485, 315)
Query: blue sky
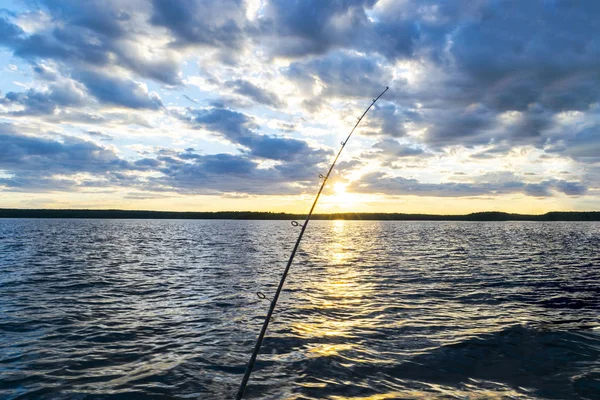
(240, 105)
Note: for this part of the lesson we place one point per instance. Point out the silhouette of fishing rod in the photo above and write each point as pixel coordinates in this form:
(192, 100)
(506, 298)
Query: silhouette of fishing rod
(263, 331)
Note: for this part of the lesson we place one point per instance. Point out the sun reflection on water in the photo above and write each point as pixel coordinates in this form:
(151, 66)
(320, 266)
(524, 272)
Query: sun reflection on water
(336, 300)
(445, 393)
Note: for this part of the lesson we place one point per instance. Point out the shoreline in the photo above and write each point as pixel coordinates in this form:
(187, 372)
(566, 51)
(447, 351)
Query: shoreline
(256, 215)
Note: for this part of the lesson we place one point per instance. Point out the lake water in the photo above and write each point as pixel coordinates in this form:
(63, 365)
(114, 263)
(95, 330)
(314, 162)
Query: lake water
(119, 309)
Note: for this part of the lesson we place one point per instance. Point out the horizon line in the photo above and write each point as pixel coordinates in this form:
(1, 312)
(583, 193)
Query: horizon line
(273, 215)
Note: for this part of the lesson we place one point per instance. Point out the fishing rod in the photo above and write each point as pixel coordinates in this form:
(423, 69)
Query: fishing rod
(263, 331)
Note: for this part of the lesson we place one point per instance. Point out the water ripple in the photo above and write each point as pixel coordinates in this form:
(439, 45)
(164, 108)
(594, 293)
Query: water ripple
(111, 309)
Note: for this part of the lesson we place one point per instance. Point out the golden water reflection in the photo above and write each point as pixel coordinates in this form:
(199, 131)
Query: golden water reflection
(337, 296)
(446, 393)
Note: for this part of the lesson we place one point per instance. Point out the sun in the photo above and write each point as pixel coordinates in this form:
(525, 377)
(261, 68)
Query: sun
(340, 199)
(339, 189)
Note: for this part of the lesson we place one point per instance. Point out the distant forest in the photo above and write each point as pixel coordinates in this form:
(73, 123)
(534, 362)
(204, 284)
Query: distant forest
(126, 214)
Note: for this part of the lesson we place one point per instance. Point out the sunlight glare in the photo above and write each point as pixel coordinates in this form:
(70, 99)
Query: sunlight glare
(340, 197)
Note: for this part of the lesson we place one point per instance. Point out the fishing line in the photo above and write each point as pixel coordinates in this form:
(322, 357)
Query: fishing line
(303, 226)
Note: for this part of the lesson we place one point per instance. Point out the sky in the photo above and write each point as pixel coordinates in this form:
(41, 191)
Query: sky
(202, 105)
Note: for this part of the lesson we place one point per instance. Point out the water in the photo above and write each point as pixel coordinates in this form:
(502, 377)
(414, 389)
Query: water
(115, 309)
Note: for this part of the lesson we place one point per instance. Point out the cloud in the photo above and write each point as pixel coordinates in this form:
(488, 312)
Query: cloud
(257, 94)
(395, 30)
(470, 72)
(340, 74)
(62, 92)
(492, 152)
(100, 135)
(45, 72)
(468, 126)
(378, 182)
(570, 188)
(223, 173)
(391, 150)
(388, 120)
(231, 124)
(584, 146)
(96, 34)
(312, 27)
(188, 172)
(393, 154)
(36, 163)
(239, 129)
(513, 71)
(217, 24)
(394, 38)
(120, 91)
(482, 48)
(45, 156)
(188, 98)
(107, 18)
(10, 33)
(66, 93)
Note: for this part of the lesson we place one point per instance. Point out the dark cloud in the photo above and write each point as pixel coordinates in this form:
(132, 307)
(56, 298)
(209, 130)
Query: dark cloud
(394, 38)
(388, 120)
(485, 59)
(395, 30)
(275, 148)
(344, 166)
(468, 126)
(10, 33)
(202, 22)
(378, 182)
(286, 126)
(301, 28)
(188, 98)
(112, 89)
(61, 92)
(102, 17)
(45, 73)
(493, 152)
(64, 44)
(188, 172)
(66, 93)
(32, 164)
(257, 94)
(224, 173)
(100, 135)
(584, 146)
(95, 33)
(239, 128)
(42, 156)
(394, 148)
(514, 60)
(231, 124)
(477, 124)
(484, 47)
(341, 75)
(392, 153)
(570, 188)
(531, 125)
(493, 58)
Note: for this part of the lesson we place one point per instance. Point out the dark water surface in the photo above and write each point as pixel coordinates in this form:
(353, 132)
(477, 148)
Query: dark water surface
(111, 309)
